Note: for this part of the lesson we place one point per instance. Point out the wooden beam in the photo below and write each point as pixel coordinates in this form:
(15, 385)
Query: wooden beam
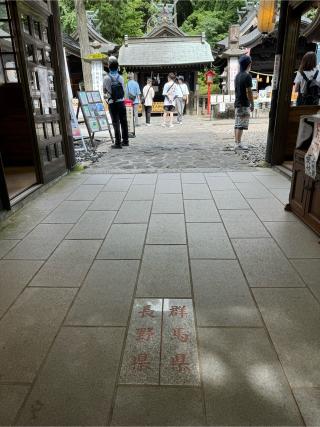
(288, 60)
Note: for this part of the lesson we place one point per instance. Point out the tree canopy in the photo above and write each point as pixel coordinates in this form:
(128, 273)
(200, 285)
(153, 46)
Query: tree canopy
(120, 17)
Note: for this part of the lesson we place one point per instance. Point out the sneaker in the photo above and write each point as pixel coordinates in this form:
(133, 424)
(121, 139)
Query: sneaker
(163, 125)
(171, 126)
(148, 124)
(116, 146)
(125, 144)
(242, 146)
(180, 123)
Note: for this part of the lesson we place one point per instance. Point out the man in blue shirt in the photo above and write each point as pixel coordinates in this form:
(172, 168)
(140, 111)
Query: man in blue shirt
(133, 92)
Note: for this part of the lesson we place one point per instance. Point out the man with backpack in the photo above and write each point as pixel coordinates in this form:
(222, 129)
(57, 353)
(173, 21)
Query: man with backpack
(307, 81)
(133, 93)
(113, 87)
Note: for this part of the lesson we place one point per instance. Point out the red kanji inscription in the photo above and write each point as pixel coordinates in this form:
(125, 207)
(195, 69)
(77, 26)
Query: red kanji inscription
(182, 336)
(179, 363)
(178, 310)
(144, 334)
(147, 311)
(140, 362)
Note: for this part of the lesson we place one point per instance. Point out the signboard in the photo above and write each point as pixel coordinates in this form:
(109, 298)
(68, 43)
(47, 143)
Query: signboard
(254, 84)
(276, 69)
(94, 113)
(130, 117)
(233, 69)
(97, 76)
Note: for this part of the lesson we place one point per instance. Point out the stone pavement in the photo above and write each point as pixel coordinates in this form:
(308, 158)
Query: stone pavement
(198, 145)
(160, 299)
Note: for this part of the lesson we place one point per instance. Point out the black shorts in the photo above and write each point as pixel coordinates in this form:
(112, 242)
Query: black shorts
(168, 108)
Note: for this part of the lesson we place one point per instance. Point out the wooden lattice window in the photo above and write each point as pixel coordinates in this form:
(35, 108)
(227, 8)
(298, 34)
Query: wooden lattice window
(8, 61)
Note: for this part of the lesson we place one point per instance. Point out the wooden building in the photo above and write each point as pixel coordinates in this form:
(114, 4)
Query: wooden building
(261, 47)
(36, 144)
(305, 192)
(165, 49)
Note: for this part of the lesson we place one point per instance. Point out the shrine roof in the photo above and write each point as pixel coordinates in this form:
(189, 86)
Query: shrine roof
(165, 51)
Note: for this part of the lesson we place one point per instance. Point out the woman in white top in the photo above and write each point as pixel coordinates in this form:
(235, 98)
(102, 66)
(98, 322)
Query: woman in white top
(148, 95)
(308, 70)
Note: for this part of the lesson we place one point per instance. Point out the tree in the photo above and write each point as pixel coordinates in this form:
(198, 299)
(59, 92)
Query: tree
(68, 16)
(84, 42)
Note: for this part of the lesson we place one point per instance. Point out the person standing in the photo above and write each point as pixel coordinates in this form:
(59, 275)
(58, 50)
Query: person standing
(244, 100)
(182, 98)
(113, 88)
(307, 81)
(148, 95)
(169, 93)
(133, 93)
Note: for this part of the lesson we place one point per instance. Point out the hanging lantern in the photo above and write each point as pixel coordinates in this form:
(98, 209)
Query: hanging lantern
(268, 79)
(266, 16)
(258, 77)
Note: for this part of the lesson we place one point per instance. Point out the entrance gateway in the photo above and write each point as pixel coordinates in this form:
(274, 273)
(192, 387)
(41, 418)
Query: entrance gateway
(34, 123)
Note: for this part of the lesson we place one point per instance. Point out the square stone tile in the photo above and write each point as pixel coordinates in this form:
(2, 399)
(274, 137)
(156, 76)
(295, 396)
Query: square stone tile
(215, 174)
(158, 406)
(222, 296)
(105, 297)
(140, 192)
(193, 178)
(244, 383)
(86, 192)
(28, 329)
(145, 178)
(170, 176)
(118, 185)
(92, 225)
(21, 223)
(271, 210)
(281, 194)
(40, 243)
(209, 241)
(229, 199)
(107, 201)
(264, 264)
(100, 178)
(167, 203)
(164, 272)
(274, 181)
(76, 384)
(169, 186)
(264, 171)
(6, 245)
(243, 224)
(67, 213)
(196, 191)
(253, 190)
(124, 241)
(68, 265)
(295, 239)
(309, 403)
(14, 276)
(201, 211)
(220, 183)
(11, 399)
(134, 212)
(166, 229)
(242, 176)
(292, 317)
(309, 270)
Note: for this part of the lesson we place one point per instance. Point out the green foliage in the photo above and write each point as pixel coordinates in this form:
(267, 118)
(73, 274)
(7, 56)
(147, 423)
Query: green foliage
(213, 17)
(68, 16)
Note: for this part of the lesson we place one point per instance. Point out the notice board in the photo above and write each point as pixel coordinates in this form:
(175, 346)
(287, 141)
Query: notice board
(93, 111)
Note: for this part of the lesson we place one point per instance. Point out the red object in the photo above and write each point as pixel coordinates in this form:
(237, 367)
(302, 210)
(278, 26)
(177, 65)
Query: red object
(209, 75)
(128, 102)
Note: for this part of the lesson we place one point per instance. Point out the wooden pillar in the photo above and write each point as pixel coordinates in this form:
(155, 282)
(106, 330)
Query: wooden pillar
(82, 26)
(291, 37)
(62, 92)
(4, 196)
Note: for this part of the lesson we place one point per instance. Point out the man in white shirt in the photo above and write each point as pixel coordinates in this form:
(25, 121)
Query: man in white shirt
(182, 98)
(169, 93)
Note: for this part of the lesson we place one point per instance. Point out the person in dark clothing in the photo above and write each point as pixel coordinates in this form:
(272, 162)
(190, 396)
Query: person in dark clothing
(244, 100)
(113, 87)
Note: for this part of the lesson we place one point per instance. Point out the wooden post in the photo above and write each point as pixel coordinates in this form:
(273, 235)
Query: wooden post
(291, 37)
(82, 26)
